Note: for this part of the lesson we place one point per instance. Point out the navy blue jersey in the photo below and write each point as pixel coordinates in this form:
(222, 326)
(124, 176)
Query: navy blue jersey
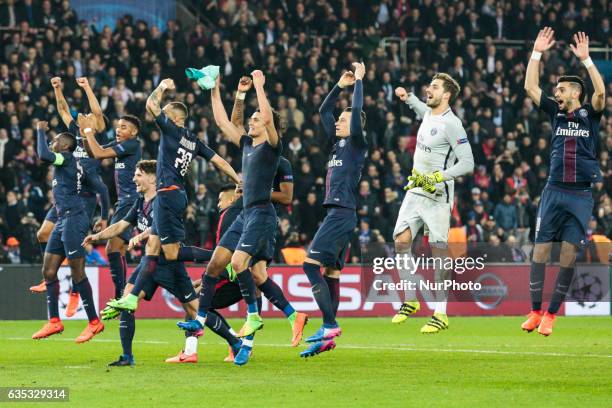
(284, 174)
(347, 154)
(128, 154)
(141, 214)
(90, 165)
(259, 165)
(573, 158)
(177, 148)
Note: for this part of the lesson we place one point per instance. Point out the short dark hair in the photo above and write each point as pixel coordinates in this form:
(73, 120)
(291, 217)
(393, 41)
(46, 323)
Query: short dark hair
(179, 106)
(147, 166)
(71, 139)
(133, 120)
(279, 124)
(363, 115)
(575, 79)
(227, 187)
(449, 85)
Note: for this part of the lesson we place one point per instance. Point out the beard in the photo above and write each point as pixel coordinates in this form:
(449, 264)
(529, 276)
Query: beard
(434, 102)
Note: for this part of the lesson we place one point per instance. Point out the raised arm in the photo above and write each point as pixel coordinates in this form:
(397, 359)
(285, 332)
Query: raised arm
(60, 102)
(357, 105)
(102, 191)
(86, 127)
(42, 148)
(223, 166)
(326, 111)
(231, 132)
(418, 106)
(94, 105)
(543, 42)
(154, 100)
(264, 107)
(581, 50)
(238, 110)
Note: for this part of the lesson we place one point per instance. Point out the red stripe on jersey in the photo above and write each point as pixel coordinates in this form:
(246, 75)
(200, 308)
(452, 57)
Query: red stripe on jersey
(569, 159)
(219, 224)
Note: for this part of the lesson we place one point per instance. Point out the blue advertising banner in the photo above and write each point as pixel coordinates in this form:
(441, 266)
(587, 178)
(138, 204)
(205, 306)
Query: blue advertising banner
(106, 12)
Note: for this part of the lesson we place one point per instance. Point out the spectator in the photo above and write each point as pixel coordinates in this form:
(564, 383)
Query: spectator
(505, 214)
(13, 251)
(93, 257)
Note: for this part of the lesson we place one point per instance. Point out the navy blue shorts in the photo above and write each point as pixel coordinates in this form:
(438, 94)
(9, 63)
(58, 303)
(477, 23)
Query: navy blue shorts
(226, 295)
(563, 215)
(169, 216)
(171, 276)
(331, 241)
(68, 234)
(122, 207)
(253, 232)
(52, 215)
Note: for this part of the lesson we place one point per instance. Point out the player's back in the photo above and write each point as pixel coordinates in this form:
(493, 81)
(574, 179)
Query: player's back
(178, 146)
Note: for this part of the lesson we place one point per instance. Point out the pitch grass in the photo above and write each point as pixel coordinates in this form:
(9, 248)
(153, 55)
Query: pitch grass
(484, 361)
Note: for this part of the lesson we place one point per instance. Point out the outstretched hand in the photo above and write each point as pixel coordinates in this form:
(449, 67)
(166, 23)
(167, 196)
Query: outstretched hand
(545, 40)
(581, 49)
(359, 70)
(258, 78)
(245, 84)
(347, 79)
(401, 93)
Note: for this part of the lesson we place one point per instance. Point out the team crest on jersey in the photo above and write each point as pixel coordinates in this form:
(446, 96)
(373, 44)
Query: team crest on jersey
(342, 143)
(583, 112)
(434, 131)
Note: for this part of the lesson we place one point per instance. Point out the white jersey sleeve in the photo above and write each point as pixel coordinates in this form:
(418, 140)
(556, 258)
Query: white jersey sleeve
(458, 141)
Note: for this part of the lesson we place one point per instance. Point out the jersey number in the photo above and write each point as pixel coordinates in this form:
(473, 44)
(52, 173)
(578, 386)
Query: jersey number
(183, 161)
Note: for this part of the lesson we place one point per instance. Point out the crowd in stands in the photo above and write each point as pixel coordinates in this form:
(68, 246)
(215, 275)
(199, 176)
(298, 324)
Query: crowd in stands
(303, 47)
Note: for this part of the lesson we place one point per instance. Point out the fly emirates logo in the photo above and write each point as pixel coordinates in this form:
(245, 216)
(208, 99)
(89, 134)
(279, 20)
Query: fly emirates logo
(572, 130)
(334, 162)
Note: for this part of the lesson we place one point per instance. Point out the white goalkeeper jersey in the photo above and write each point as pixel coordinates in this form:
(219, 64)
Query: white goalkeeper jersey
(442, 145)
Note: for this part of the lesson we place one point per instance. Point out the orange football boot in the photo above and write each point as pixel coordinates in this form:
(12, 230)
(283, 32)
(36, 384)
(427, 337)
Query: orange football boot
(546, 326)
(53, 326)
(183, 358)
(40, 288)
(301, 319)
(93, 328)
(73, 304)
(533, 320)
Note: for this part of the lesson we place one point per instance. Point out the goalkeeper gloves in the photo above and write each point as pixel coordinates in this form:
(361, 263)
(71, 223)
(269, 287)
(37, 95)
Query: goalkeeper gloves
(426, 181)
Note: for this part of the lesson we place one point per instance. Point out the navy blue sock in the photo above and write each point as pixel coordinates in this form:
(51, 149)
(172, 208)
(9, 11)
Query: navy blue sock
(334, 290)
(275, 295)
(193, 254)
(259, 304)
(536, 284)
(206, 294)
(43, 247)
(117, 272)
(146, 273)
(320, 292)
(53, 289)
(84, 288)
(564, 282)
(127, 327)
(247, 289)
(74, 288)
(220, 327)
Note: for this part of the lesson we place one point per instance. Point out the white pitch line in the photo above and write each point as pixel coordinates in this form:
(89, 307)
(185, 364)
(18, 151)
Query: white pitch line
(391, 348)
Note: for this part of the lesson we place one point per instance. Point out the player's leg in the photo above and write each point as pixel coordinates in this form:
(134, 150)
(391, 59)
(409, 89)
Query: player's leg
(82, 285)
(192, 254)
(42, 235)
(240, 263)
(407, 226)
(436, 215)
(115, 251)
(332, 278)
(51, 264)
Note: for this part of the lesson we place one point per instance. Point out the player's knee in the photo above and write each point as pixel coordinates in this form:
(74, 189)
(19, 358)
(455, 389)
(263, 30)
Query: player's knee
(153, 247)
(239, 265)
(403, 241)
(115, 245)
(42, 235)
(50, 274)
(215, 267)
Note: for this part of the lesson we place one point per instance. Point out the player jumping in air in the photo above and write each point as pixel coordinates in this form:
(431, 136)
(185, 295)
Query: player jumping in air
(442, 154)
(261, 151)
(177, 148)
(92, 180)
(126, 151)
(68, 233)
(567, 202)
(282, 195)
(328, 248)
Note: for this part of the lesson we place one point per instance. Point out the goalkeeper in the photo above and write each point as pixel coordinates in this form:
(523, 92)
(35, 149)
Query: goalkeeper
(442, 154)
